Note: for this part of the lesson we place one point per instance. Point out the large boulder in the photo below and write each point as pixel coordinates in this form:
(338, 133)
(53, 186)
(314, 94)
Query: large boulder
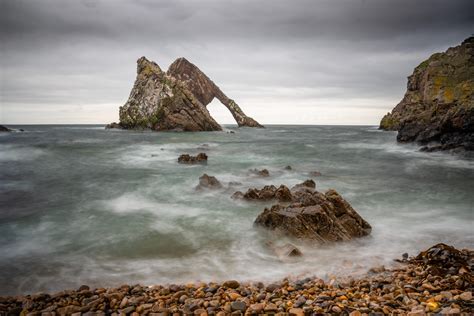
(438, 106)
(315, 216)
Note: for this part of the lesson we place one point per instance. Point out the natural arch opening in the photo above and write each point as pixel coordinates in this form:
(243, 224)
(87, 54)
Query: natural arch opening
(220, 113)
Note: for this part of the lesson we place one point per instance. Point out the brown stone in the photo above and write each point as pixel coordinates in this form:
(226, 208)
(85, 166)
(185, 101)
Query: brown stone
(188, 159)
(330, 218)
(208, 182)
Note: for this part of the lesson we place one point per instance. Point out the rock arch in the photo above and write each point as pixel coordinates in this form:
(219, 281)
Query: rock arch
(205, 90)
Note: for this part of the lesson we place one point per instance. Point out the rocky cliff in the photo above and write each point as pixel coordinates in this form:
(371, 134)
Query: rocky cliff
(438, 107)
(175, 100)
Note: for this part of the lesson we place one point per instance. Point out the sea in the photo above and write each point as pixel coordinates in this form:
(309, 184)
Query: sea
(80, 204)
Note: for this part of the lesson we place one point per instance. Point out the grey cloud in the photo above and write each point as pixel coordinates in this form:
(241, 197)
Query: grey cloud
(83, 52)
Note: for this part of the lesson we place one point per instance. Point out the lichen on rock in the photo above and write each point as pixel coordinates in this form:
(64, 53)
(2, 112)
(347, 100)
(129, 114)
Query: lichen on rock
(438, 106)
(175, 100)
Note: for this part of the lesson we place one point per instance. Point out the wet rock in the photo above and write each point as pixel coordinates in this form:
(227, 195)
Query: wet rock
(330, 218)
(288, 168)
(306, 184)
(283, 194)
(238, 306)
(408, 288)
(4, 129)
(83, 288)
(442, 259)
(260, 173)
(188, 159)
(296, 312)
(285, 251)
(272, 287)
(232, 284)
(237, 195)
(466, 296)
(300, 301)
(258, 307)
(113, 125)
(268, 192)
(208, 182)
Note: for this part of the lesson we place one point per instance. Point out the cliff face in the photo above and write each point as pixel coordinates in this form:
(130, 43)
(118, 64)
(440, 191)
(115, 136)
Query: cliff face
(438, 106)
(175, 100)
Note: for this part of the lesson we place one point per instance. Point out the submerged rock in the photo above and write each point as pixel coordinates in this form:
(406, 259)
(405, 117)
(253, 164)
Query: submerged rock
(315, 174)
(285, 251)
(438, 106)
(188, 159)
(260, 173)
(174, 100)
(113, 125)
(208, 182)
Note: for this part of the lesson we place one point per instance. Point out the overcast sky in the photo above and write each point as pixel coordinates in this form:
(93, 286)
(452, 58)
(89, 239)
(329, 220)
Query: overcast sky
(294, 62)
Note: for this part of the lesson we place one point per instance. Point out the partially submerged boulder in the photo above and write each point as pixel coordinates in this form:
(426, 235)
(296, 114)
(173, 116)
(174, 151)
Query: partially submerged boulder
(260, 173)
(208, 182)
(188, 159)
(315, 174)
(330, 218)
(4, 129)
(113, 125)
(305, 213)
(285, 251)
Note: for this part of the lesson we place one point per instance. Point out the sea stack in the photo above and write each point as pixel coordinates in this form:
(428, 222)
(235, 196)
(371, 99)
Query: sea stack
(174, 100)
(438, 107)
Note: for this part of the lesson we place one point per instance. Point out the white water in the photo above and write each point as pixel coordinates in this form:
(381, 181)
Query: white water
(82, 205)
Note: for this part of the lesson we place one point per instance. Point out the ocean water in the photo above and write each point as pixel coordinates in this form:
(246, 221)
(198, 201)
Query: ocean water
(84, 205)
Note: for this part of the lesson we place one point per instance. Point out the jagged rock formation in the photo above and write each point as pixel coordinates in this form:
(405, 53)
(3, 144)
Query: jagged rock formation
(315, 216)
(438, 106)
(205, 90)
(175, 100)
(305, 213)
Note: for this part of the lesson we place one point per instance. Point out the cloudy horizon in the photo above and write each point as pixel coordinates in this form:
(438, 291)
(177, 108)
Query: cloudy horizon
(284, 62)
